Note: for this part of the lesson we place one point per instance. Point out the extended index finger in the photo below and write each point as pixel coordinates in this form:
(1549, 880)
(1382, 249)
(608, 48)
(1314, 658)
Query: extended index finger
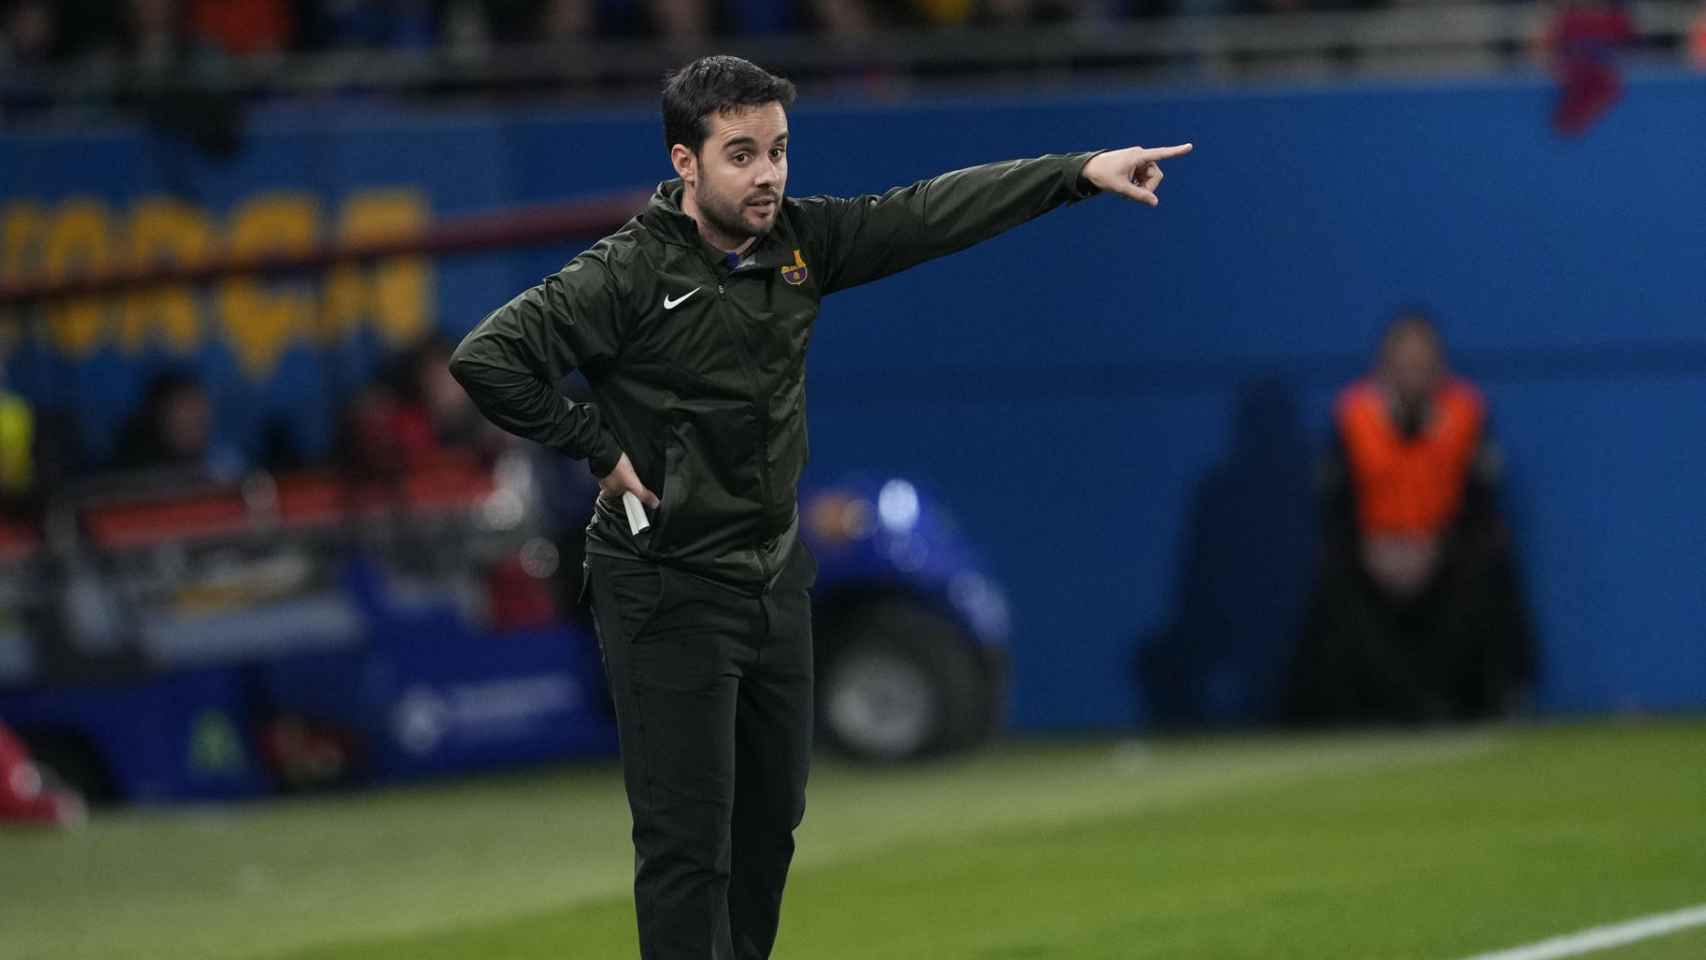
(1162, 153)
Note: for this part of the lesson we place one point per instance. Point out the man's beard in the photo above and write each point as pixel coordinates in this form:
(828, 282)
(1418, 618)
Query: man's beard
(729, 218)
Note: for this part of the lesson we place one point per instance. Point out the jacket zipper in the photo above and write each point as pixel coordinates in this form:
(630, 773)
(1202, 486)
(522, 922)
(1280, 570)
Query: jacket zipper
(763, 433)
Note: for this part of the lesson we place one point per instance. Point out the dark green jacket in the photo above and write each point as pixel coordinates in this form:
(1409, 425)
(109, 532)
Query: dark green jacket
(697, 366)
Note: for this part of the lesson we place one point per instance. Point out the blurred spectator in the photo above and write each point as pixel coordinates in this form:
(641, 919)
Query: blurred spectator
(761, 17)
(1022, 12)
(952, 13)
(561, 21)
(1697, 40)
(1007, 12)
(411, 415)
(944, 13)
(1416, 615)
(375, 24)
(843, 20)
(1189, 8)
(157, 39)
(17, 449)
(171, 78)
(428, 395)
(173, 431)
(37, 450)
(465, 31)
(29, 33)
(242, 28)
(376, 439)
(1581, 45)
(680, 22)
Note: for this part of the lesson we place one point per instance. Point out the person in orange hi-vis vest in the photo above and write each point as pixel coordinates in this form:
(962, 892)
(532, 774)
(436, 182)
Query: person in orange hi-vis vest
(1416, 615)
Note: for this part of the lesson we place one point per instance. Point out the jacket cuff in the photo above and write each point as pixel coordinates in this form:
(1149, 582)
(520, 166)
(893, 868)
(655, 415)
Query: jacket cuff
(1076, 185)
(603, 459)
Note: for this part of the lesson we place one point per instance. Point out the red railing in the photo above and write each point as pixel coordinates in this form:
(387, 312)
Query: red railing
(453, 482)
(492, 230)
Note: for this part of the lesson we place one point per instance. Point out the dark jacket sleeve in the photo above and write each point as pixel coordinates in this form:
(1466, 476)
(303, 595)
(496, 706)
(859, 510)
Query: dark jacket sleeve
(512, 362)
(866, 238)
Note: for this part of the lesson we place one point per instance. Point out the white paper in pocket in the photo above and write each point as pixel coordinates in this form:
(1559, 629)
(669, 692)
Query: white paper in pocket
(636, 513)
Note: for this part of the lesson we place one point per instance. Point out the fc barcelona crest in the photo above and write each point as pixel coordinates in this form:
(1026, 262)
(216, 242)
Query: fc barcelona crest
(795, 273)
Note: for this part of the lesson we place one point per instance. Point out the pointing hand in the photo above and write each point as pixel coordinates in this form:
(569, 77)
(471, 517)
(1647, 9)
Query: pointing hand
(1134, 172)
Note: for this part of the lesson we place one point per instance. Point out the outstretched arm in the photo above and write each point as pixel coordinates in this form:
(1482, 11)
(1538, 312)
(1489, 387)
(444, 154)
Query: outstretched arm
(860, 239)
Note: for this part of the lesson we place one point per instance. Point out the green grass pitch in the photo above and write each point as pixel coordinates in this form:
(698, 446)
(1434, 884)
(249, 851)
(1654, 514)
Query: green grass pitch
(1430, 846)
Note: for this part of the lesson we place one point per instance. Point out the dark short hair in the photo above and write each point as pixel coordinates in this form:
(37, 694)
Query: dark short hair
(716, 84)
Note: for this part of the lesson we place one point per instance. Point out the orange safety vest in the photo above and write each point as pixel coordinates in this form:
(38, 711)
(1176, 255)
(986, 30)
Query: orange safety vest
(1409, 485)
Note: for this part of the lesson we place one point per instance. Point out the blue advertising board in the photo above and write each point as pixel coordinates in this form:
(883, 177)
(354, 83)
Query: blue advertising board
(1082, 392)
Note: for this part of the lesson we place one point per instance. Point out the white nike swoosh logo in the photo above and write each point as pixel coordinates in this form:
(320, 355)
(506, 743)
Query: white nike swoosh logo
(669, 304)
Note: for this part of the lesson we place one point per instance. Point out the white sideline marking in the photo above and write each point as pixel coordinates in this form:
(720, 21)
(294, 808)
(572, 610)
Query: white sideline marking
(1603, 938)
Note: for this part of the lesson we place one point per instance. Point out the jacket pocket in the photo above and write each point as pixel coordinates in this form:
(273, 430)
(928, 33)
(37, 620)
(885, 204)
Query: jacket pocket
(673, 494)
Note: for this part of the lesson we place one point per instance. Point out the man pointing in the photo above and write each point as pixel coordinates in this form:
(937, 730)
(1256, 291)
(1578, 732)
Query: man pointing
(690, 324)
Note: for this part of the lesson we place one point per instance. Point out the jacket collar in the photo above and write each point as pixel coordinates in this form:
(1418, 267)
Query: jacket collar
(664, 218)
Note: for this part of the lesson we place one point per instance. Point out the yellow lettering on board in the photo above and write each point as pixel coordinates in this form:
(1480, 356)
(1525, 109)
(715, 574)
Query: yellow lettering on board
(260, 317)
(20, 232)
(20, 235)
(343, 304)
(394, 294)
(78, 243)
(163, 233)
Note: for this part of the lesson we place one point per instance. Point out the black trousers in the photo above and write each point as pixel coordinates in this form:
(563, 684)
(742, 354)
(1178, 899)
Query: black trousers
(1459, 650)
(713, 693)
